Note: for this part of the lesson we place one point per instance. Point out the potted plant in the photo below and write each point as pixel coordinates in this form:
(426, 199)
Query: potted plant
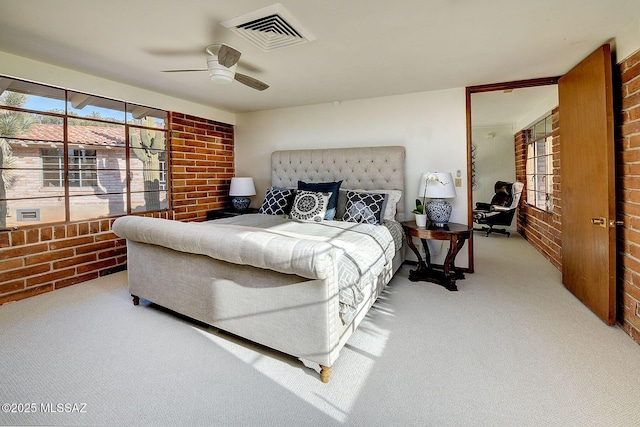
(421, 215)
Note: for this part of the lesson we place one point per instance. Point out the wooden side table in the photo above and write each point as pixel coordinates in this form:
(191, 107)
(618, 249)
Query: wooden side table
(226, 213)
(446, 274)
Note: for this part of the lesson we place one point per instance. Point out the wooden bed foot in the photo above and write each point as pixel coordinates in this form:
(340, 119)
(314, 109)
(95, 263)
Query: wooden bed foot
(325, 373)
(136, 299)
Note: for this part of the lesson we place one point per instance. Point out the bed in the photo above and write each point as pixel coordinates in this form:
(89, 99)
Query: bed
(298, 286)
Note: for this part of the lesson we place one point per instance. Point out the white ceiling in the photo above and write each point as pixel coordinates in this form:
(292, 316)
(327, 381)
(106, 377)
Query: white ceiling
(514, 108)
(362, 48)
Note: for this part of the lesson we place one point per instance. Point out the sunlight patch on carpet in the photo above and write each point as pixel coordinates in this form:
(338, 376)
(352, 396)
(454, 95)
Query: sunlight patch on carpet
(349, 373)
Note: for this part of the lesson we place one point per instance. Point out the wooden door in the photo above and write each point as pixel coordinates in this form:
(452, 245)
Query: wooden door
(587, 171)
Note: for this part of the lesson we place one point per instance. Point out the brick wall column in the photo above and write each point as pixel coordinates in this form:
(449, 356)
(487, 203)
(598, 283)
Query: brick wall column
(627, 109)
(542, 229)
(202, 165)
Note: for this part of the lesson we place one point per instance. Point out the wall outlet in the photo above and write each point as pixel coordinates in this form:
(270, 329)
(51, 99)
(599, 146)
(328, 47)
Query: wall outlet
(458, 182)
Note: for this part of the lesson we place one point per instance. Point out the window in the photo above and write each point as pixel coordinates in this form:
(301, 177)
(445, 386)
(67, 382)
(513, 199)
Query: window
(82, 168)
(69, 156)
(539, 169)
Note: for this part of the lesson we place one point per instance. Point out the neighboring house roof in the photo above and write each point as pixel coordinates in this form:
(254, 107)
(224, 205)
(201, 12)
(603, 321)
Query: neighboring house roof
(90, 135)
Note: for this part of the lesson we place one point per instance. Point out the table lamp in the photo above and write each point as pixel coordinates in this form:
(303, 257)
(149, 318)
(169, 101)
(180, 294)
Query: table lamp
(438, 186)
(239, 190)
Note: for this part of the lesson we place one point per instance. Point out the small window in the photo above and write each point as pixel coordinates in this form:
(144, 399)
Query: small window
(539, 168)
(82, 168)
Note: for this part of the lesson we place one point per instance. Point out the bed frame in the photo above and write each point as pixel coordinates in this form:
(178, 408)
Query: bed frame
(287, 312)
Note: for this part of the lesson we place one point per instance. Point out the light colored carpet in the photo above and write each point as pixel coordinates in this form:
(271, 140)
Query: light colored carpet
(512, 347)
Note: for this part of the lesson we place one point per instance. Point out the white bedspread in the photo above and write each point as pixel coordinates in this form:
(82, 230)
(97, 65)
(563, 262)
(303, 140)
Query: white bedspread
(361, 251)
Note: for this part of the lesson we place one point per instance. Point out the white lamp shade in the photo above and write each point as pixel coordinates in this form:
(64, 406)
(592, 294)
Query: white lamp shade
(437, 185)
(242, 186)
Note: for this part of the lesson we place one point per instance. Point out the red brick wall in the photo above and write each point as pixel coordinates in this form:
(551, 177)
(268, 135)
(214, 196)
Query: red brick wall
(39, 259)
(542, 229)
(627, 118)
(201, 165)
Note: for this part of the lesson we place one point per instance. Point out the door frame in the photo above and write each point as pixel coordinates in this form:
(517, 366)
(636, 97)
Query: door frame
(518, 84)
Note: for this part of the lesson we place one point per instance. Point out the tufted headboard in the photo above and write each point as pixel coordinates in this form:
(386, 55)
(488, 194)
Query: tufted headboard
(368, 168)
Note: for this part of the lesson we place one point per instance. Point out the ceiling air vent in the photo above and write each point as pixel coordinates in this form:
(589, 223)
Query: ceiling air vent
(269, 28)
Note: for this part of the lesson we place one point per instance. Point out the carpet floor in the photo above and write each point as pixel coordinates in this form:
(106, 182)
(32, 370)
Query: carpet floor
(512, 348)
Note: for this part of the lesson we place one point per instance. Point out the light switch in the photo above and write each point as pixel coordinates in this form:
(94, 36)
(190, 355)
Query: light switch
(458, 182)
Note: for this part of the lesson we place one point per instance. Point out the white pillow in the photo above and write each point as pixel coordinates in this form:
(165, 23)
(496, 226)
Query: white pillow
(310, 206)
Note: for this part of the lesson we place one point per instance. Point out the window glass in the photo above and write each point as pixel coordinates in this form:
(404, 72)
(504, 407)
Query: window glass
(29, 211)
(539, 130)
(148, 168)
(83, 206)
(539, 165)
(31, 96)
(142, 201)
(82, 168)
(145, 116)
(95, 107)
(45, 178)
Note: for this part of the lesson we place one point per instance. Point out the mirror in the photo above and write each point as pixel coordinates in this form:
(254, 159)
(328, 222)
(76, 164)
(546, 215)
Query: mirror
(496, 116)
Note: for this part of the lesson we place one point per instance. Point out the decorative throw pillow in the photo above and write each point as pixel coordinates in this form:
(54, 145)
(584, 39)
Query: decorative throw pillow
(277, 201)
(310, 206)
(324, 187)
(393, 197)
(365, 207)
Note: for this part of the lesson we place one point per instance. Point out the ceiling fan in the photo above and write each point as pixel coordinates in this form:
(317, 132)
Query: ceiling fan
(221, 65)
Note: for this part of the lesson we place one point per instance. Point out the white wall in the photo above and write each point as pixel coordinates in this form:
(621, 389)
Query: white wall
(430, 125)
(627, 41)
(40, 72)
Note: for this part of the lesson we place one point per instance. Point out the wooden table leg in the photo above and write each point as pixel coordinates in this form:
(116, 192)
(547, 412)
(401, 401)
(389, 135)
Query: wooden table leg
(450, 273)
(417, 274)
(427, 253)
(450, 279)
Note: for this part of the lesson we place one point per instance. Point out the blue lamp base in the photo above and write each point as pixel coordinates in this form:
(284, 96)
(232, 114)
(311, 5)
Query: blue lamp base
(240, 203)
(438, 212)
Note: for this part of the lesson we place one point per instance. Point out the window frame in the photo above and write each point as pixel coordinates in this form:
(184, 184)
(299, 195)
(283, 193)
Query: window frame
(73, 169)
(539, 172)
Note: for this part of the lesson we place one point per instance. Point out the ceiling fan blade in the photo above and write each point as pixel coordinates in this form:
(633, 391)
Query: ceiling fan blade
(185, 70)
(251, 82)
(228, 56)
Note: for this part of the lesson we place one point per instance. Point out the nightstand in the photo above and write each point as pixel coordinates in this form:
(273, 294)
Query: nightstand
(228, 212)
(446, 274)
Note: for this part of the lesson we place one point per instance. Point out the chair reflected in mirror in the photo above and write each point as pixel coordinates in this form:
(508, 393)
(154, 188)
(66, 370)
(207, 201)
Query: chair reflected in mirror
(501, 210)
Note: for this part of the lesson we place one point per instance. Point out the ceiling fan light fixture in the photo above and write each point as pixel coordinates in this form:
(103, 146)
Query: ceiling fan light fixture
(219, 73)
(221, 76)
